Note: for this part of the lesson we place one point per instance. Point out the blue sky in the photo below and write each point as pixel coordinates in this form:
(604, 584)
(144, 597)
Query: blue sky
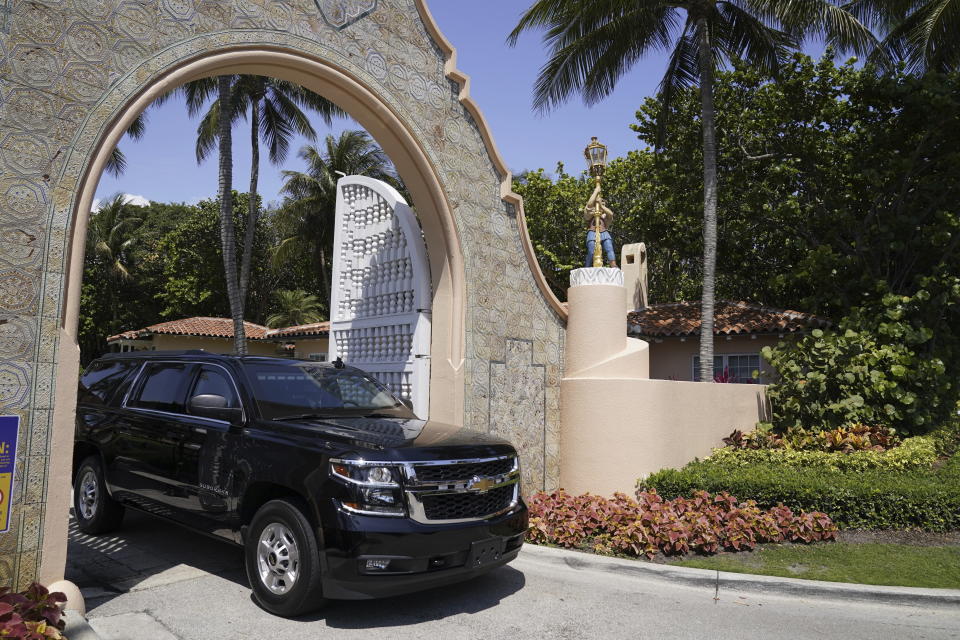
(162, 167)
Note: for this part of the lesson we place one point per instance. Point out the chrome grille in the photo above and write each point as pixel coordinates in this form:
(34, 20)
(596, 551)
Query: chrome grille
(441, 473)
(458, 506)
(452, 491)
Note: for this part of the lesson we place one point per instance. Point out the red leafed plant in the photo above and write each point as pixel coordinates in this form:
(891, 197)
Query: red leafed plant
(703, 523)
(33, 614)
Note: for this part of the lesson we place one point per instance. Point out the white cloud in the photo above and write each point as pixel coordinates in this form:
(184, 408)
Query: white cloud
(129, 198)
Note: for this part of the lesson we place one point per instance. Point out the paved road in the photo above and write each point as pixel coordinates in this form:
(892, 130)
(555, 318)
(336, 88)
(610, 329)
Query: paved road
(156, 581)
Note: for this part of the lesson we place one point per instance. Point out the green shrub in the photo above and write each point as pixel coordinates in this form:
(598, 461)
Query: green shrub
(914, 453)
(876, 368)
(946, 439)
(872, 499)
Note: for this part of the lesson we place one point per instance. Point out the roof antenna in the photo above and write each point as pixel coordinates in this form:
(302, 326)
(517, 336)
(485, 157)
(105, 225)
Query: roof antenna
(338, 363)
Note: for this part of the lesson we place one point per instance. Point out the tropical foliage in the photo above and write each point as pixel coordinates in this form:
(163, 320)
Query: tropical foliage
(311, 195)
(650, 524)
(294, 308)
(592, 45)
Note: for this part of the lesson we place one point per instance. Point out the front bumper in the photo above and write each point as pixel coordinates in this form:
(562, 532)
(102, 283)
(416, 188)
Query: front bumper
(419, 556)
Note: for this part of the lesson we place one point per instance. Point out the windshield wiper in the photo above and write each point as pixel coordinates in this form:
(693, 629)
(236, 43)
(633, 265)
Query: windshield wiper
(302, 416)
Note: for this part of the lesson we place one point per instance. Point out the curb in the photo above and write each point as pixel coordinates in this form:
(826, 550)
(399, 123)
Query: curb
(77, 627)
(745, 581)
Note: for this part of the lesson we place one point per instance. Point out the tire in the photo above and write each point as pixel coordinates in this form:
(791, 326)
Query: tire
(95, 511)
(282, 560)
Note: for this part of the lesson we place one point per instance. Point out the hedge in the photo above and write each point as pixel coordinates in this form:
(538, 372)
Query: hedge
(913, 454)
(928, 500)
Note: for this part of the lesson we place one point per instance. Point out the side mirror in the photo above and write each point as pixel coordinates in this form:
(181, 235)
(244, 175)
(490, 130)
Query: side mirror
(209, 405)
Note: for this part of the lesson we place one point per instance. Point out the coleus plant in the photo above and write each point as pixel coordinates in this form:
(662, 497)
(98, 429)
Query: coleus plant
(649, 524)
(33, 614)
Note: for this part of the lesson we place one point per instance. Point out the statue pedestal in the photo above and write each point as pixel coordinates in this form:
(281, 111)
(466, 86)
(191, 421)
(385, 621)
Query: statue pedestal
(597, 327)
(600, 366)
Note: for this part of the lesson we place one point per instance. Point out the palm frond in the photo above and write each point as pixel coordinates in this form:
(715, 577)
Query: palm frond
(825, 19)
(197, 93)
(682, 71)
(741, 35)
(276, 131)
(208, 132)
(592, 44)
(138, 127)
(116, 164)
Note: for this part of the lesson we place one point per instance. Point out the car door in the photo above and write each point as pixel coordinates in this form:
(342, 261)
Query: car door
(147, 441)
(204, 464)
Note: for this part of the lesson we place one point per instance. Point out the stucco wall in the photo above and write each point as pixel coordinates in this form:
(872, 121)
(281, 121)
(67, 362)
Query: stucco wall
(304, 347)
(672, 358)
(213, 345)
(629, 428)
(617, 424)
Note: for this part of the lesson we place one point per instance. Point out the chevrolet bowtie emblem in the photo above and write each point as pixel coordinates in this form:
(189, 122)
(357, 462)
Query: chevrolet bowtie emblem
(476, 483)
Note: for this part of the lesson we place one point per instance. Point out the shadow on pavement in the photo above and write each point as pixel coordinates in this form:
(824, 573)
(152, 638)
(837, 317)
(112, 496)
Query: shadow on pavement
(148, 552)
(467, 597)
(145, 552)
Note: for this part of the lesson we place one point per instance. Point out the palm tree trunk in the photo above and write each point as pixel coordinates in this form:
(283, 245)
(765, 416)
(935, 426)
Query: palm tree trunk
(326, 294)
(228, 238)
(708, 116)
(252, 209)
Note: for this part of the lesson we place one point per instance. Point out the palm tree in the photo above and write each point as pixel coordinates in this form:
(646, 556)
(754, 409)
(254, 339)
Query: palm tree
(111, 238)
(311, 195)
(228, 239)
(593, 43)
(925, 34)
(294, 308)
(276, 114)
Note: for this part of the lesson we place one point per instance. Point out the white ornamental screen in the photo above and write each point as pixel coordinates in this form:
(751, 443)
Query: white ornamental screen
(381, 297)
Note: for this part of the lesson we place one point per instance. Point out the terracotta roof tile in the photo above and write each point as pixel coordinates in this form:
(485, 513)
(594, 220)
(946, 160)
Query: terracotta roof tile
(730, 317)
(199, 326)
(300, 330)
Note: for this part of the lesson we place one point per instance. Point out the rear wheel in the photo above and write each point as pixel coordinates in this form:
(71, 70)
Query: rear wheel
(282, 560)
(95, 511)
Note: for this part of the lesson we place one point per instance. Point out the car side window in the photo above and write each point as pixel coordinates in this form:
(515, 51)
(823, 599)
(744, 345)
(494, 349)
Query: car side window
(101, 379)
(163, 387)
(216, 381)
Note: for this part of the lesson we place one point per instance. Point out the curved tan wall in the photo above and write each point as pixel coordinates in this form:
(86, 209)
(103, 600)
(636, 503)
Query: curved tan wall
(617, 424)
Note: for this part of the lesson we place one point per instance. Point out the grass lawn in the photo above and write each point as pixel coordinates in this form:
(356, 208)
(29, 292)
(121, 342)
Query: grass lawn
(864, 563)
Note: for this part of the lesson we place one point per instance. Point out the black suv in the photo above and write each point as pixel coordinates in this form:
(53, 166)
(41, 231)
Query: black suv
(334, 488)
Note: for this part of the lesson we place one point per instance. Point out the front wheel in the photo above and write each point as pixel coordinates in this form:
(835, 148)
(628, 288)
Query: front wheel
(282, 560)
(95, 511)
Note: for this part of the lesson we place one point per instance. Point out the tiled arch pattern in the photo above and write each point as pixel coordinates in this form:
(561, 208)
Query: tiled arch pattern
(68, 67)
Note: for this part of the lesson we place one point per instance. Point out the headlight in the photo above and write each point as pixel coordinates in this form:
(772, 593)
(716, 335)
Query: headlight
(358, 472)
(371, 488)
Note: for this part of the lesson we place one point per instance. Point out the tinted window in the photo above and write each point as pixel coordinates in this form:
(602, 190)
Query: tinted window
(162, 387)
(101, 379)
(216, 381)
(302, 388)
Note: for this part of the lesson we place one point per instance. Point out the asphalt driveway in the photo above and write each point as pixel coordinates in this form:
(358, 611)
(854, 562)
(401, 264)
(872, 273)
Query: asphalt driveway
(156, 581)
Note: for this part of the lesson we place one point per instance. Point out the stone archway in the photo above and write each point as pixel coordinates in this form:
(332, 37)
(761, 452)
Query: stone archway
(76, 73)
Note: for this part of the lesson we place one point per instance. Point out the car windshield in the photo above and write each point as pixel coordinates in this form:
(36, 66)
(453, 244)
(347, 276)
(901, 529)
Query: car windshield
(304, 389)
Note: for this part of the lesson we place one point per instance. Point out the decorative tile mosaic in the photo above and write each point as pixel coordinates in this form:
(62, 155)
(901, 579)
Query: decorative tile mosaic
(67, 70)
(518, 397)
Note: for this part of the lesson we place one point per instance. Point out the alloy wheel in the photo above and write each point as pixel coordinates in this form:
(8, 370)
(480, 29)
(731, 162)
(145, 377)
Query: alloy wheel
(278, 558)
